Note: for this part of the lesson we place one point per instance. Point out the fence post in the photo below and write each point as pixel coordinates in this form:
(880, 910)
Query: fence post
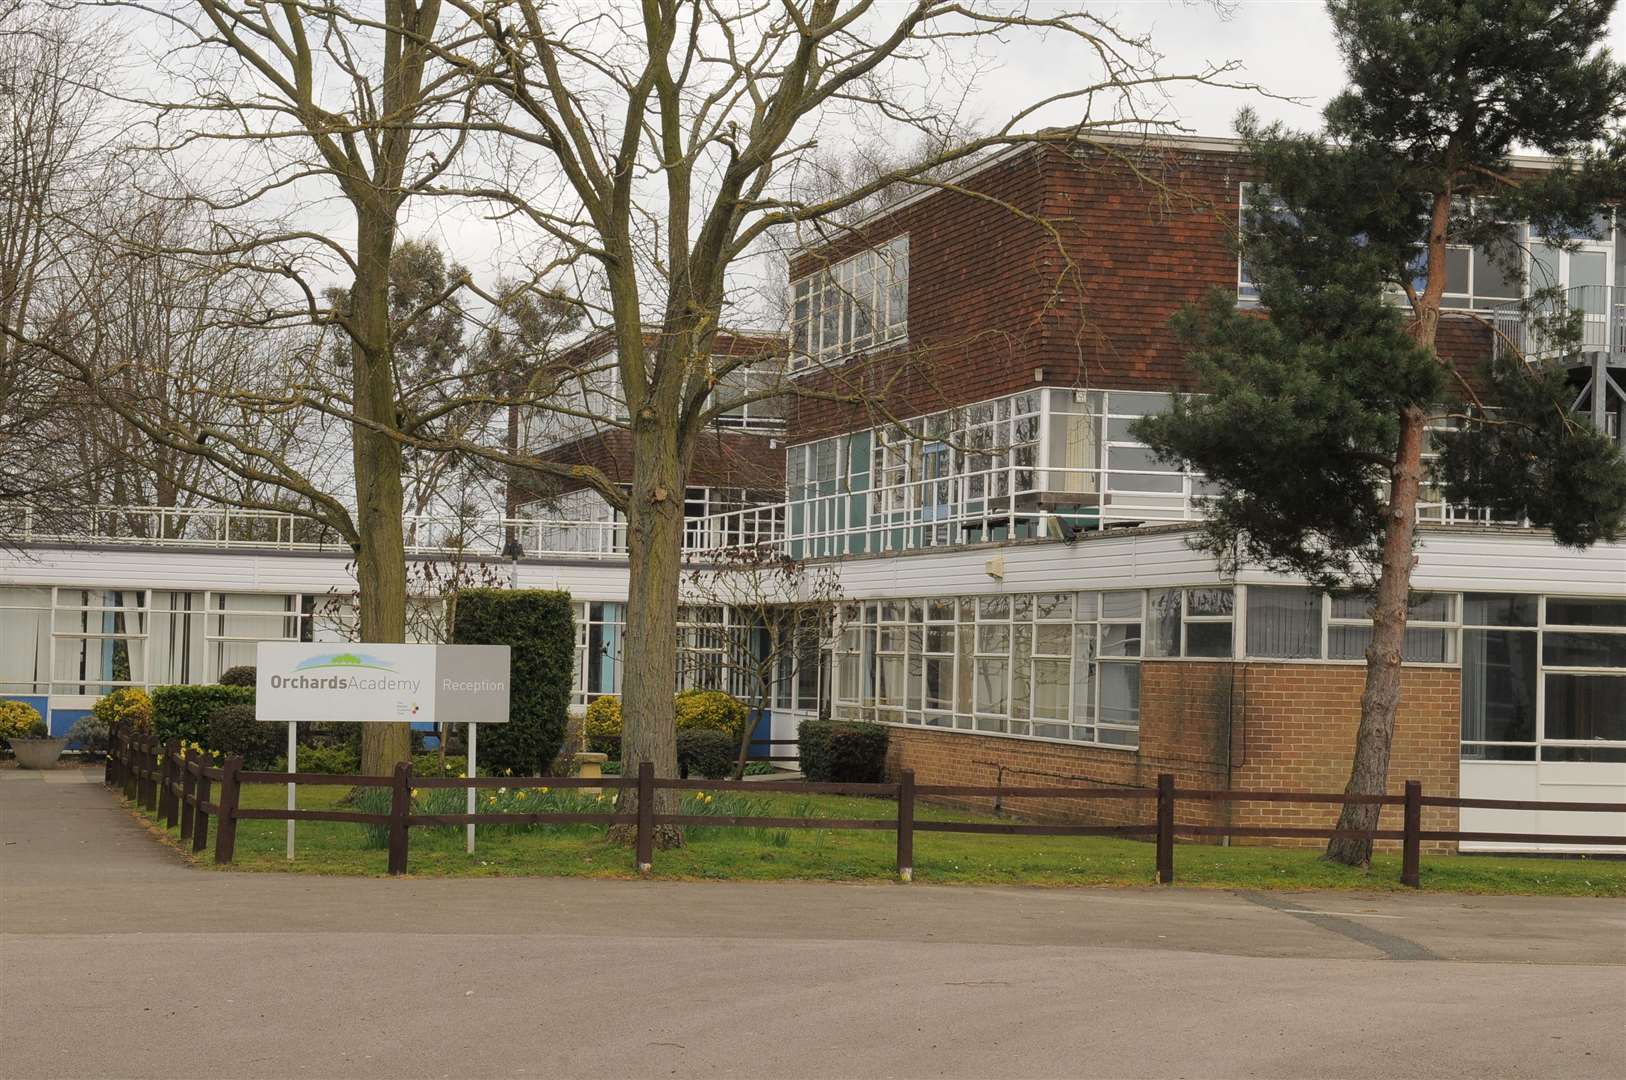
(646, 816)
(200, 814)
(188, 793)
(1165, 828)
(127, 768)
(400, 806)
(110, 767)
(1411, 844)
(149, 777)
(166, 789)
(906, 825)
(226, 827)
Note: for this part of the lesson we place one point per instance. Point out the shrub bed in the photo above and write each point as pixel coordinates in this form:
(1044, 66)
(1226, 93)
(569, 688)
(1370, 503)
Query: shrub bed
(183, 712)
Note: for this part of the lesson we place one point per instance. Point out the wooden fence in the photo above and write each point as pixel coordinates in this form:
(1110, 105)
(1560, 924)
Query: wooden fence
(178, 787)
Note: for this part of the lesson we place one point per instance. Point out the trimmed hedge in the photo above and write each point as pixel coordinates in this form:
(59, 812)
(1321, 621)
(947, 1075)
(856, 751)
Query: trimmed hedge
(241, 675)
(18, 720)
(183, 712)
(842, 751)
(233, 730)
(539, 626)
(707, 753)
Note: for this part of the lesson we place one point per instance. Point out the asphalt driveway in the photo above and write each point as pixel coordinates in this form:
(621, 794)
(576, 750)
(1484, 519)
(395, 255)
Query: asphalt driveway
(116, 959)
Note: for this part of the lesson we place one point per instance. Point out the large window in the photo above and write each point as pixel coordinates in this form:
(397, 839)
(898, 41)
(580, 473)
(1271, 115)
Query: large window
(856, 304)
(1058, 665)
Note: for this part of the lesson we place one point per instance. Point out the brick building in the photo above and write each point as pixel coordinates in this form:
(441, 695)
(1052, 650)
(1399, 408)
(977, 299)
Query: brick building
(1020, 599)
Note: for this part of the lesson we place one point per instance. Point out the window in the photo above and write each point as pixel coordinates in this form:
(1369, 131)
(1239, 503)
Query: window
(1499, 677)
(1022, 665)
(1284, 622)
(858, 303)
(1189, 622)
(760, 414)
(1428, 638)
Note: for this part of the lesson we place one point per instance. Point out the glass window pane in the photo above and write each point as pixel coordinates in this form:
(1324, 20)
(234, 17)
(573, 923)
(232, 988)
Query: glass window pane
(1120, 639)
(1351, 606)
(1120, 694)
(1498, 686)
(1120, 605)
(1421, 645)
(1208, 639)
(1053, 640)
(1585, 611)
(1585, 706)
(1284, 623)
(1569, 649)
(1209, 602)
(1163, 623)
(991, 676)
(1498, 609)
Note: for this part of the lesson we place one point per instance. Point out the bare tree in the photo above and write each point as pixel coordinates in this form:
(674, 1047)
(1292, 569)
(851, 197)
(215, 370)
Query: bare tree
(660, 147)
(779, 615)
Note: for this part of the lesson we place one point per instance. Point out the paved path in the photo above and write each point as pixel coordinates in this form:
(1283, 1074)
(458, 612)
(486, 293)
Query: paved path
(118, 960)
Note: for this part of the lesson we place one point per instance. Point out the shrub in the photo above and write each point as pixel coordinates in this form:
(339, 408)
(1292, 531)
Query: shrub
(90, 733)
(18, 720)
(842, 751)
(428, 764)
(129, 706)
(233, 730)
(601, 727)
(707, 753)
(710, 710)
(323, 759)
(540, 628)
(183, 712)
(241, 675)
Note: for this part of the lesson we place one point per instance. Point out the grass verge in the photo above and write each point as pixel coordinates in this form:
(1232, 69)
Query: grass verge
(740, 854)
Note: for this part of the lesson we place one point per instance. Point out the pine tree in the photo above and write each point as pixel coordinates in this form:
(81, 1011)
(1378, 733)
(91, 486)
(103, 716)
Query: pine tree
(1313, 424)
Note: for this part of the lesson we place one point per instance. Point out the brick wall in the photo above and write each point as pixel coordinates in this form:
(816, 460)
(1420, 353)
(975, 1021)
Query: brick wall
(1281, 727)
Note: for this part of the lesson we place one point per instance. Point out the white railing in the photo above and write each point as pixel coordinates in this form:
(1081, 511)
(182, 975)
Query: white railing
(224, 527)
(1524, 330)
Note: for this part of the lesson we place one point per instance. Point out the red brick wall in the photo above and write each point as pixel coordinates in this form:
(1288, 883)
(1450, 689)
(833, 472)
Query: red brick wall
(721, 459)
(1085, 292)
(1264, 726)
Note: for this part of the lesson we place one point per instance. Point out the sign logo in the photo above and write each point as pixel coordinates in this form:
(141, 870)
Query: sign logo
(346, 660)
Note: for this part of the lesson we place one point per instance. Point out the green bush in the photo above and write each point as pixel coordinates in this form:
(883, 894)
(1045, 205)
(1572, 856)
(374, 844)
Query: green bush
(129, 706)
(710, 710)
(183, 712)
(540, 629)
(428, 764)
(241, 675)
(842, 751)
(707, 753)
(233, 730)
(323, 759)
(18, 719)
(601, 727)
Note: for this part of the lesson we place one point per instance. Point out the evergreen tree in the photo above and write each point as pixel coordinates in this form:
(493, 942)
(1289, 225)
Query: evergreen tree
(1313, 424)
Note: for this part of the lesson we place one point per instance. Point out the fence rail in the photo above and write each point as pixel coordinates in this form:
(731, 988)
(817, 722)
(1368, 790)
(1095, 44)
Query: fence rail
(179, 787)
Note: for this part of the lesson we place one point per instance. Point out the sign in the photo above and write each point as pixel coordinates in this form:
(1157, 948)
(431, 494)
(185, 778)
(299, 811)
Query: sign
(418, 684)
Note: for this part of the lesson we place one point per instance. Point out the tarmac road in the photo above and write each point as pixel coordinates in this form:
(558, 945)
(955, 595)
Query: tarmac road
(117, 960)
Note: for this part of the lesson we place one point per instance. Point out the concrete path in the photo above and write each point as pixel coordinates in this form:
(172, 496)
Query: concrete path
(118, 960)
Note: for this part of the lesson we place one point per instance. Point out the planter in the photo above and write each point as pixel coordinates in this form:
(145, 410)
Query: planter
(37, 753)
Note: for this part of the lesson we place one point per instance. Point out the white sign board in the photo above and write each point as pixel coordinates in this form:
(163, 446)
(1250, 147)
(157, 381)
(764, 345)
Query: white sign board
(421, 684)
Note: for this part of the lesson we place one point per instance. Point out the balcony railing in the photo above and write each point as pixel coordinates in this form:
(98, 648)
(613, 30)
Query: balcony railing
(1526, 330)
(485, 538)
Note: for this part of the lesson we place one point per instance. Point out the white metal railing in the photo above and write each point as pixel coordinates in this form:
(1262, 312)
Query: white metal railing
(224, 527)
(1526, 329)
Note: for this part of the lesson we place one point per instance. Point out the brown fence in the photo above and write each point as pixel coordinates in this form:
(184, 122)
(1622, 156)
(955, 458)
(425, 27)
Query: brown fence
(178, 787)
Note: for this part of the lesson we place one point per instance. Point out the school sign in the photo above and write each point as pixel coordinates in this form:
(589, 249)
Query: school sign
(419, 684)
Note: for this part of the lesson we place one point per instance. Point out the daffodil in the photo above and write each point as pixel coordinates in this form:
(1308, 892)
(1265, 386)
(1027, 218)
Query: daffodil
(544, 791)
(414, 793)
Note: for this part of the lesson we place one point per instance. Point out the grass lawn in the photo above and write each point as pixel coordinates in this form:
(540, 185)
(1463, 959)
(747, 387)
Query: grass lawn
(852, 855)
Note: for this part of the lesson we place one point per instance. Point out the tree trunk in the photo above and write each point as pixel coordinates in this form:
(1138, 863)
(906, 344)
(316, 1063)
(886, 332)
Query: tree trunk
(381, 554)
(654, 544)
(1380, 700)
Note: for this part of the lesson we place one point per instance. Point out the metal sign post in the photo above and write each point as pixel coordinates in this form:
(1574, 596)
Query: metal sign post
(293, 767)
(470, 773)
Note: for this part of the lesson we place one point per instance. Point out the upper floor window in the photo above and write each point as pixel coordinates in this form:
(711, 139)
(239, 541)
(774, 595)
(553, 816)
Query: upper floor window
(855, 304)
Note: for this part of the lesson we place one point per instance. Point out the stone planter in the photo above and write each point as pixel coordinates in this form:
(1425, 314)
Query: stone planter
(592, 767)
(37, 753)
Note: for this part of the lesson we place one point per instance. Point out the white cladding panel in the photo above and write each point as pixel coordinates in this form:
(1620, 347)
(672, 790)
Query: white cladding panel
(1548, 781)
(212, 569)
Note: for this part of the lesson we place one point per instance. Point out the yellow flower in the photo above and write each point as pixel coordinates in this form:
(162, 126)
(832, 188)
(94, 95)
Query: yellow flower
(519, 794)
(414, 793)
(544, 791)
(508, 772)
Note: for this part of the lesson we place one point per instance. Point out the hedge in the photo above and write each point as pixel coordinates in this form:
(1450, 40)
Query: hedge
(710, 710)
(233, 730)
(183, 712)
(539, 627)
(705, 752)
(842, 751)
